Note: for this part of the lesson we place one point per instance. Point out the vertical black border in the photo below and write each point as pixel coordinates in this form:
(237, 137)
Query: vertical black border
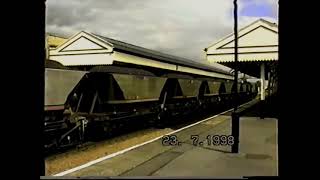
(41, 69)
(296, 89)
(284, 118)
(23, 81)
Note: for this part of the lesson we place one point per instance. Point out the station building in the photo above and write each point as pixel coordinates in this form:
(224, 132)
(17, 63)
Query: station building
(257, 52)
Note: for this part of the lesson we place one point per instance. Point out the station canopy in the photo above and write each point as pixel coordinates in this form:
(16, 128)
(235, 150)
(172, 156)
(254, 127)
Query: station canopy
(257, 43)
(88, 50)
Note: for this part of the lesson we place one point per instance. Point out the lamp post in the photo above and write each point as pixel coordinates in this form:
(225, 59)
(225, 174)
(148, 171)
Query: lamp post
(235, 117)
(235, 14)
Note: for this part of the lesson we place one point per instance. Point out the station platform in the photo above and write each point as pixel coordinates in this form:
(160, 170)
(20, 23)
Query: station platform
(257, 153)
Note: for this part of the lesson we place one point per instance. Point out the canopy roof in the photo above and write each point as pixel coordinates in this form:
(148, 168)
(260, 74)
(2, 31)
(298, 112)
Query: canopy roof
(86, 49)
(256, 42)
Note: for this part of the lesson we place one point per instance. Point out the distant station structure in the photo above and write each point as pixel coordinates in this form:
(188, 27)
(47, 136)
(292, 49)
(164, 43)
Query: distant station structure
(52, 42)
(257, 52)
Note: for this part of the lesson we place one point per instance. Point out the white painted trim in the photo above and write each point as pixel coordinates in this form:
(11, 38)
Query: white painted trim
(263, 79)
(243, 57)
(52, 53)
(71, 40)
(133, 147)
(81, 44)
(205, 73)
(242, 31)
(245, 50)
(253, 47)
(128, 58)
(84, 59)
(65, 70)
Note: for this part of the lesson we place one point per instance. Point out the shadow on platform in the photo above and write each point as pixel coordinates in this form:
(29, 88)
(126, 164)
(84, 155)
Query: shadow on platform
(269, 108)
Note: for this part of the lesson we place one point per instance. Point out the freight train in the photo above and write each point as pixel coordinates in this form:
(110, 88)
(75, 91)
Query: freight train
(80, 105)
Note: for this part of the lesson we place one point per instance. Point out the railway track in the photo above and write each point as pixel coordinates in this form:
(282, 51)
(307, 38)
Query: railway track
(68, 158)
(94, 150)
(91, 143)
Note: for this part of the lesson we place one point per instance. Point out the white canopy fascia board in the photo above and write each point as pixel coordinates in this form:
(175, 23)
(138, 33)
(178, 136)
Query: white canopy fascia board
(243, 31)
(245, 50)
(128, 58)
(202, 72)
(105, 45)
(243, 57)
(84, 59)
(102, 51)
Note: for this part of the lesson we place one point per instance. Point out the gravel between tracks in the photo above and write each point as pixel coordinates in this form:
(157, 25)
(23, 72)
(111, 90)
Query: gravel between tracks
(76, 157)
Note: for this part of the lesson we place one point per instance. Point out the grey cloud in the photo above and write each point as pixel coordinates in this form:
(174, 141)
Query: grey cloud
(179, 27)
(69, 14)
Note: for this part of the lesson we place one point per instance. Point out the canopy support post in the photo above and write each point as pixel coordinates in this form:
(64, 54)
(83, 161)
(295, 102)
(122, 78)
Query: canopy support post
(262, 98)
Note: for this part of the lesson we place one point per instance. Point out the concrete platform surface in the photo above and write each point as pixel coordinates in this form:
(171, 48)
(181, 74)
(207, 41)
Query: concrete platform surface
(257, 156)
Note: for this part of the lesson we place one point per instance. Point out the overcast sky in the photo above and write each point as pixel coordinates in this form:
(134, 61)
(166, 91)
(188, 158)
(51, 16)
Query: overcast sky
(178, 27)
